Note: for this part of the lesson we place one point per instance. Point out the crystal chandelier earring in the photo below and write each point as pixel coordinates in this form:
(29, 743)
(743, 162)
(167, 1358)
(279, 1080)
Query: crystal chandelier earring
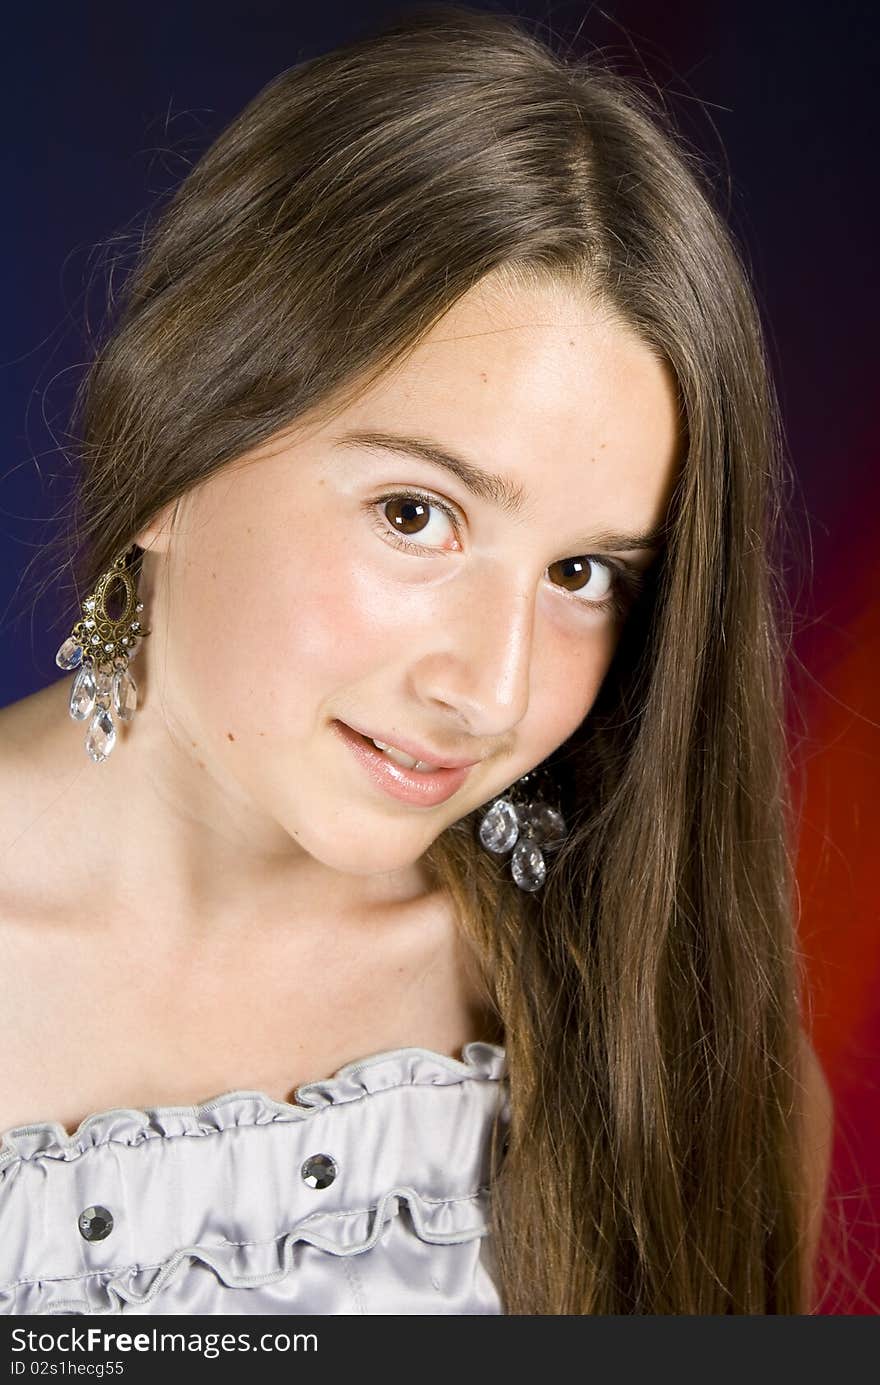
(524, 821)
(100, 646)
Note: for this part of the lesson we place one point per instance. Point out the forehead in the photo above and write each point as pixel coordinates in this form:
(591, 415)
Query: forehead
(547, 387)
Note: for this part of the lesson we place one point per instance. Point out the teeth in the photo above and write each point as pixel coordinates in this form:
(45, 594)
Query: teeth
(400, 758)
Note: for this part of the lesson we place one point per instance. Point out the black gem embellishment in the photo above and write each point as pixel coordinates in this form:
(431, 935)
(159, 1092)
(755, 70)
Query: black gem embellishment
(95, 1223)
(319, 1171)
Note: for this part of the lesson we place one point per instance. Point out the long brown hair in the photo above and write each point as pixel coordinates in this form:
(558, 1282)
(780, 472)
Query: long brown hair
(649, 994)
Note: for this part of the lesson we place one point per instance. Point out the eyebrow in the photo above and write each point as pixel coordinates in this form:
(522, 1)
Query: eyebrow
(504, 494)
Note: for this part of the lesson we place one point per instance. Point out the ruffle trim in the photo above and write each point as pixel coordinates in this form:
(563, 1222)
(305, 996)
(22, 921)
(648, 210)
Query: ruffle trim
(253, 1265)
(398, 1067)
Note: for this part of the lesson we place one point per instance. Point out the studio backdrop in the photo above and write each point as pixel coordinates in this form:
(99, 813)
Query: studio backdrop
(110, 105)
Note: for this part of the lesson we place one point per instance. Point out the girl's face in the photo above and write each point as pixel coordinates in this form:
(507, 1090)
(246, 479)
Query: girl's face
(346, 575)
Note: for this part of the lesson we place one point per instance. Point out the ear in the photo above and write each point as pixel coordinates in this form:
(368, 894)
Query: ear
(155, 537)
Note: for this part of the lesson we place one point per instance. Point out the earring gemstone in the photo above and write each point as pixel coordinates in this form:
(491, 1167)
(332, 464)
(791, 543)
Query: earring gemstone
(548, 825)
(499, 829)
(522, 821)
(101, 736)
(124, 694)
(527, 865)
(70, 654)
(83, 693)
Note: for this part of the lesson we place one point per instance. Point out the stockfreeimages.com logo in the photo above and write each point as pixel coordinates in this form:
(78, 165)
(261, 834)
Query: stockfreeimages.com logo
(208, 1344)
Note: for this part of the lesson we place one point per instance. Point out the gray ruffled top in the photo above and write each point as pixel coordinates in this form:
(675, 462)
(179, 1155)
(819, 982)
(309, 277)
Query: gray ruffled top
(366, 1194)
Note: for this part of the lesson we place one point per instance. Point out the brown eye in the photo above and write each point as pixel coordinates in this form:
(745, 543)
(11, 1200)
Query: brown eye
(407, 514)
(575, 574)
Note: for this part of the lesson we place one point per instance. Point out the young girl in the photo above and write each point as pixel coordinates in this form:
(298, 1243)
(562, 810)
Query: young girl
(404, 924)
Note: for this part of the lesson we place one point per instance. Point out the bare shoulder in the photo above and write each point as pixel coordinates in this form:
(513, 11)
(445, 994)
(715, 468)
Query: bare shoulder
(28, 715)
(817, 1113)
(36, 766)
(37, 901)
(817, 1127)
(21, 725)
(34, 752)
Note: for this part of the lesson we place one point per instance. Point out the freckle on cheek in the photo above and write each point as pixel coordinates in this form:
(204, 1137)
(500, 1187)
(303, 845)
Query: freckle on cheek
(230, 736)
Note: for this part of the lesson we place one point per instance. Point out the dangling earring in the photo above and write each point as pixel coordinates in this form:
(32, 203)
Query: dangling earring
(100, 646)
(522, 820)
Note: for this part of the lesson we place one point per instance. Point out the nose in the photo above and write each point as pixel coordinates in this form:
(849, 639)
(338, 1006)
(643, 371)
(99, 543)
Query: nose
(478, 668)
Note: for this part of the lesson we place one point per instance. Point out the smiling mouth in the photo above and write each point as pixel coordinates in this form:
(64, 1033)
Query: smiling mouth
(415, 784)
(408, 759)
(400, 757)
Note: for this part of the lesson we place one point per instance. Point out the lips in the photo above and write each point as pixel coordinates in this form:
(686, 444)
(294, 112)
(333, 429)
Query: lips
(421, 788)
(401, 758)
(430, 759)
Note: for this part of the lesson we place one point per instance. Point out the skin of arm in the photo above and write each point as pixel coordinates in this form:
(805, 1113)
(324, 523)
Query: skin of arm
(818, 1119)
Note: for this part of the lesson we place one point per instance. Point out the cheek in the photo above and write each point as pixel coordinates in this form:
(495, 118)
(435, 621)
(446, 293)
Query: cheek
(569, 670)
(268, 630)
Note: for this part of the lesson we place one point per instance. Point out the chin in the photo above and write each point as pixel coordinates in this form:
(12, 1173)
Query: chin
(364, 855)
